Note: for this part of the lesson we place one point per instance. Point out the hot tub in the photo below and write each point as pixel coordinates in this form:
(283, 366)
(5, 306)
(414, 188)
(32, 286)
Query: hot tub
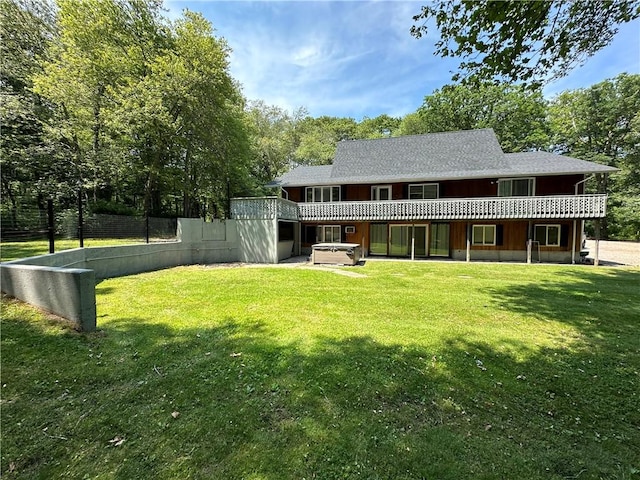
(336, 253)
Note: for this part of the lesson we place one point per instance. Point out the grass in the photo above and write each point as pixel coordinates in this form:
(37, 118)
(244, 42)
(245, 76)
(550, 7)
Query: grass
(16, 250)
(416, 370)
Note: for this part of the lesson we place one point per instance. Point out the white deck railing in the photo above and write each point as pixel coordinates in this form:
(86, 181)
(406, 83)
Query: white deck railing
(263, 208)
(487, 208)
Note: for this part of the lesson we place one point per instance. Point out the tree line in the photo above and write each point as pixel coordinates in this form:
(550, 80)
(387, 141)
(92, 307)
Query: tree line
(139, 114)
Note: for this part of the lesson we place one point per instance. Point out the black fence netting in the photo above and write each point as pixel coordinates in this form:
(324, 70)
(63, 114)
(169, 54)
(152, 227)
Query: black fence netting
(23, 222)
(28, 222)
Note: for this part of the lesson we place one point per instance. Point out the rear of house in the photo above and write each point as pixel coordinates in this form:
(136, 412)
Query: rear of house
(453, 195)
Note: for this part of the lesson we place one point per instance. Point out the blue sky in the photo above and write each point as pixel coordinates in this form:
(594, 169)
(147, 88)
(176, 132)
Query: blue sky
(356, 58)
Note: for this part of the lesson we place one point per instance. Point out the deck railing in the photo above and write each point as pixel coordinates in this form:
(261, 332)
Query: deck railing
(487, 208)
(263, 208)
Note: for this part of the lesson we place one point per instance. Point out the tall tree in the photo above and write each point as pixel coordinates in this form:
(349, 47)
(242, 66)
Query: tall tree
(516, 115)
(26, 28)
(529, 41)
(275, 137)
(143, 105)
(377, 127)
(319, 137)
(601, 123)
(99, 48)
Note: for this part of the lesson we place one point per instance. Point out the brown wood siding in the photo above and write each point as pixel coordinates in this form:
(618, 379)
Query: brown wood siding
(514, 235)
(560, 185)
(296, 194)
(468, 188)
(488, 187)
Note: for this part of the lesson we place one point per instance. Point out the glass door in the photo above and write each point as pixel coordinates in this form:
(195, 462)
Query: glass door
(378, 239)
(420, 240)
(399, 241)
(439, 244)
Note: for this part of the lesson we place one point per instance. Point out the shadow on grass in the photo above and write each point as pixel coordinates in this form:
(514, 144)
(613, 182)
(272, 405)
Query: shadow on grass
(140, 400)
(597, 302)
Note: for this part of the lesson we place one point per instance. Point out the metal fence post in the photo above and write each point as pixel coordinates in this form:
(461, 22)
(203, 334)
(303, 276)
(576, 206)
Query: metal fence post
(80, 220)
(51, 225)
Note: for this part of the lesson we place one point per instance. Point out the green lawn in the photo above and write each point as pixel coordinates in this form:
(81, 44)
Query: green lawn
(416, 370)
(15, 250)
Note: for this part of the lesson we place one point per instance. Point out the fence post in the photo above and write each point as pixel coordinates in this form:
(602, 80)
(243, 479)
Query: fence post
(146, 227)
(80, 221)
(51, 225)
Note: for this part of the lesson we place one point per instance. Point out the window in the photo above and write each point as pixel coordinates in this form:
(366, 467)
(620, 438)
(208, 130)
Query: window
(381, 192)
(548, 235)
(516, 187)
(285, 231)
(322, 194)
(423, 191)
(329, 233)
(484, 235)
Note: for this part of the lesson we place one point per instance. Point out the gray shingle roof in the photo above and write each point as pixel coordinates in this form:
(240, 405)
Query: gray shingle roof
(432, 157)
(304, 175)
(545, 163)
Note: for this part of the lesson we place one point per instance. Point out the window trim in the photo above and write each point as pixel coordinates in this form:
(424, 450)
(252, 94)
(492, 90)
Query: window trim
(321, 236)
(321, 188)
(437, 185)
(532, 185)
(546, 234)
(377, 188)
(484, 227)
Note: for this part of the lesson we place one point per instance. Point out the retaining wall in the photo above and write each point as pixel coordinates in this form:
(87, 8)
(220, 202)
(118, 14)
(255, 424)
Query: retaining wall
(64, 283)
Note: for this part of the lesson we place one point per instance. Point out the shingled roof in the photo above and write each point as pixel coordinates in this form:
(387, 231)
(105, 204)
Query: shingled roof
(432, 157)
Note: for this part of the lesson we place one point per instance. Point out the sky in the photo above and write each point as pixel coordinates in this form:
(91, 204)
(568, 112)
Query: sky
(357, 58)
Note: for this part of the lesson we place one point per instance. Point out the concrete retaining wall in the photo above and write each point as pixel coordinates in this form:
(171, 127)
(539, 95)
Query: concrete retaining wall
(67, 292)
(64, 283)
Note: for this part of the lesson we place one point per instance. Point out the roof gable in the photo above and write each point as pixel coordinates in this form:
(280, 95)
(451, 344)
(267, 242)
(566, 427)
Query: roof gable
(432, 157)
(416, 155)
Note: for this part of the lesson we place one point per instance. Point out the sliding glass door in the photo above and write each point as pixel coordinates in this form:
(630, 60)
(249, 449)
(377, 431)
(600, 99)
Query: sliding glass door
(402, 237)
(439, 244)
(378, 239)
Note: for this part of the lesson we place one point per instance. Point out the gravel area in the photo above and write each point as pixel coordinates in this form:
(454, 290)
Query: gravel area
(615, 253)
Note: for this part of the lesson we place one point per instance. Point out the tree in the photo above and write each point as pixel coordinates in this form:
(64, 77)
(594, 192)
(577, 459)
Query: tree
(602, 124)
(26, 28)
(274, 139)
(528, 41)
(183, 120)
(378, 127)
(319, 137)
(101, 45)
(411, 124)
(518, 116)
(142, 104)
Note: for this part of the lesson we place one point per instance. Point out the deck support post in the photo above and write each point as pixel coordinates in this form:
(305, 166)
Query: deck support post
(468, 242)
(573, 245)
(596, 260)
(529, 243)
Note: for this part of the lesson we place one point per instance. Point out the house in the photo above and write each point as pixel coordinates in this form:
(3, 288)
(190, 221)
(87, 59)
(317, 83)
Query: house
(453, 194)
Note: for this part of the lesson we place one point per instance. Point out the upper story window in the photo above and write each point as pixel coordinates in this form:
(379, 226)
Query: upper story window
(322, 194)
(424, 191)
(381, 192)
(516, 187)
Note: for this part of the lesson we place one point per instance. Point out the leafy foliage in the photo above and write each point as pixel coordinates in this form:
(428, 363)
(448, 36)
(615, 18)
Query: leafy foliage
(517, 115)
(526, 41)
(602, 123)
